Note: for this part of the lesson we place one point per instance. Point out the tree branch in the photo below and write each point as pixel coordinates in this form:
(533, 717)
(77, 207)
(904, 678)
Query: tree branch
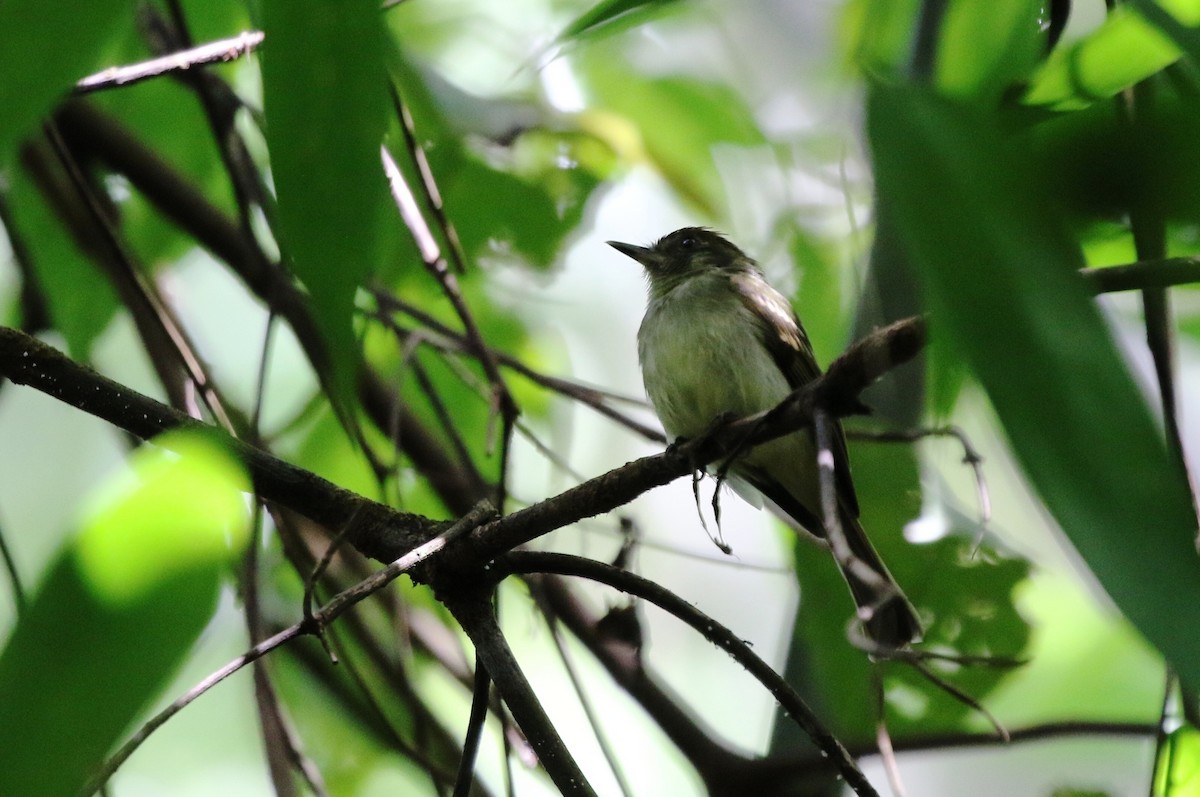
(837, 391)
(212, 52)
(384, 533)
(793, 705)
(1143, 274)
(473, 611)
(28, 361)
(380, 531)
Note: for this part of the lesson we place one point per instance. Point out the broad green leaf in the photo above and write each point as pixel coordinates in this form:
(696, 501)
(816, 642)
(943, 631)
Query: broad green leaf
(611, 14)
(527, 199)
(1124, 50)
(1178, 19)
(47, 47)
(1177, 771)
(999, 275)
(1103, 168)
(326, 104)
(877, 34)
(117, 612)
(984, 47)
(176, 507)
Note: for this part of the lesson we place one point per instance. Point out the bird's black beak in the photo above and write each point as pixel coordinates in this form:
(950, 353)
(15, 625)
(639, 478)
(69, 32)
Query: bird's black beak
(646, 256)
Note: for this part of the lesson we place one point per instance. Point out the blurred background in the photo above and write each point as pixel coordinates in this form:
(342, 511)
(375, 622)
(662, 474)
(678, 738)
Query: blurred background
(552, 126)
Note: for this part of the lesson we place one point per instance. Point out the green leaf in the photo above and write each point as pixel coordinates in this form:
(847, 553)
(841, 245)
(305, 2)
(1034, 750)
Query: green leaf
(608, 15)
(326, 104)
(1124, 50)
(1177, 19)
(1177, 771)
(528, 198)
(984, 47)
(878, 33)
(117, 613)
(1102, 168)
(34, 80)
(177, 506)
(999, 276)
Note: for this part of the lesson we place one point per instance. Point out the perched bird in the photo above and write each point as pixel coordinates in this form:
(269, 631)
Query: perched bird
(718, 341)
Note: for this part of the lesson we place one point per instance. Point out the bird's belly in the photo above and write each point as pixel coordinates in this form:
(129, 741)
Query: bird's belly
(695, 377)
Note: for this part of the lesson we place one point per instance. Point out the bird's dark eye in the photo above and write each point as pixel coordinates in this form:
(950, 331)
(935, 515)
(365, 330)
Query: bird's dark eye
(687, 243)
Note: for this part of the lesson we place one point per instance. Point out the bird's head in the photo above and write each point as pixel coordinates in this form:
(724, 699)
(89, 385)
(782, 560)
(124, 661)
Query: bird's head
(685, 253)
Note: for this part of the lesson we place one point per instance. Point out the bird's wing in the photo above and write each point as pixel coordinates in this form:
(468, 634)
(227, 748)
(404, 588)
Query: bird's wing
(788, 343)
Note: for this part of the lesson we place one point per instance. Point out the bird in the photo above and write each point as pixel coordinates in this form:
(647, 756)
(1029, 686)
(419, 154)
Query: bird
(718, 341)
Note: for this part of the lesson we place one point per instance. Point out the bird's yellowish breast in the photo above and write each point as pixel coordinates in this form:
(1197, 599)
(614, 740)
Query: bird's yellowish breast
(702, 356)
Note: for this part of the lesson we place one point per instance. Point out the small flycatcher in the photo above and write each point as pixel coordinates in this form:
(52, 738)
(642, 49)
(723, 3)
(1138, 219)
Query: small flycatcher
(717, 340)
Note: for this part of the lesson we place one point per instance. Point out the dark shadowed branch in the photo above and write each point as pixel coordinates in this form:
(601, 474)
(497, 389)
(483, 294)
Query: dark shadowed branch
(793, 705)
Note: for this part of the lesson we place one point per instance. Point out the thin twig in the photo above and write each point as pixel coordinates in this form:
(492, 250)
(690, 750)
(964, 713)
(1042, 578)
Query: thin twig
(923, 59)
(883, 738)
(432, 194)
(440, 778)
(154, 723)
(971, 456)
(436, 264)
(431, 254)
(344, 600)
(479, 709)
(219, 51)
(586, 395)
(388, 301)
(310, 583)
(1162, 737)
(1143, 274)
(1149, 229)
(961, 696)
(147, 304)
(14, 577)
(824, 430)
(585, 703)
(440, 411)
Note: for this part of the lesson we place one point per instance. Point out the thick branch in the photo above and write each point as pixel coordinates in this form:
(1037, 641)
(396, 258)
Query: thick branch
(382, 532)
(27, 361)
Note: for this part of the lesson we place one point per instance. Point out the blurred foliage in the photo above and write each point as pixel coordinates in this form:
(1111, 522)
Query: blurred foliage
(1005, 162)
(1035, 340)
(1179, 768)
(117, 612)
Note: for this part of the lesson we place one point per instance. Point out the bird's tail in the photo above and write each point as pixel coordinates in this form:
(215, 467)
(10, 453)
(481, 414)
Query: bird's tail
(888, 617)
